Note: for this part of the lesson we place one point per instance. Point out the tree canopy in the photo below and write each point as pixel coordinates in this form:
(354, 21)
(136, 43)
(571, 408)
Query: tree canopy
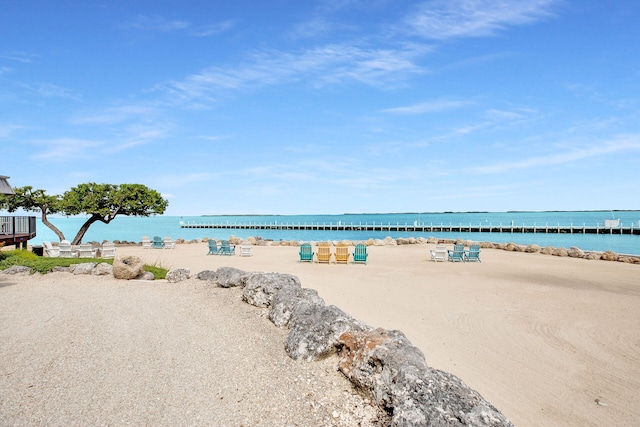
(102, 202)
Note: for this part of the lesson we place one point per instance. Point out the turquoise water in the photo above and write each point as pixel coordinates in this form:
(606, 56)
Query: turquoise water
(133, 228)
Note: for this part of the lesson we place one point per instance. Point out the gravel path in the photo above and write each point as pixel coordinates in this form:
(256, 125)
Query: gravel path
(87, 350)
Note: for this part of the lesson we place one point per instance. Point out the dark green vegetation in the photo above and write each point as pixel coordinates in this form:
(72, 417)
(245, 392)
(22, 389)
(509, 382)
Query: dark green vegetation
(45, 265)
(102, 202)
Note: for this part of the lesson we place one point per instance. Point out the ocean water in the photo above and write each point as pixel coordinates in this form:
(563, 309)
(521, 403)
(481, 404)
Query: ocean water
(133, 228)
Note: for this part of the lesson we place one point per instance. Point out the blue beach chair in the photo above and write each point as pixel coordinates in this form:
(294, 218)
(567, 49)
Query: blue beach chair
(457, 254)
(226, 248)
(360, 254)
(306, 253)
(157, 242)
(213, 247)
(473, 254)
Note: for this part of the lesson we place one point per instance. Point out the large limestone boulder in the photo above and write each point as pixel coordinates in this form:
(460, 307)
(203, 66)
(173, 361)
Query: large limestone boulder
(288, 300)
(562, 252)
(103, 269)
(548, 250)
(82, 268)
(609, 256)
(128, 267)
(533, 248)
(17, 269)
(575, 252)
(229, 277)
(314, 331)
(395, 374)
(389, 241)
(259, 288)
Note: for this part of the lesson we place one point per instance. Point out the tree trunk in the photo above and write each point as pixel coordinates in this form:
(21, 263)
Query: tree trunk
(53, 228)
(93, 218)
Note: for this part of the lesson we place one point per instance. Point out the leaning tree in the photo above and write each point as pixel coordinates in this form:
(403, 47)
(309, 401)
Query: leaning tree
(102, 202)
(30, 200)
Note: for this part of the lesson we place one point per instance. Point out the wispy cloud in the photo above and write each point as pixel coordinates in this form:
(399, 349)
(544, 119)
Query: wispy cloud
(156, 23)
(622, 143)
(445, 19)
(48, 90)
(118, 114)
(163, 25)
(213, 29)
(330, 64)
(18, 57)
(433, 106)
(65, 149)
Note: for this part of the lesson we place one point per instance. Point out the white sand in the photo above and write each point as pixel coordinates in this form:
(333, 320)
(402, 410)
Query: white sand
(549, 341)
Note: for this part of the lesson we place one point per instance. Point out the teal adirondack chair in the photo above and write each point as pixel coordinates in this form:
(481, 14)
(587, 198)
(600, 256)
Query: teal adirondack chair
(306, 253)
(457, 254)
(473, 254)
(226, 248)
(213, 247)
(360, 254)
(157, 242)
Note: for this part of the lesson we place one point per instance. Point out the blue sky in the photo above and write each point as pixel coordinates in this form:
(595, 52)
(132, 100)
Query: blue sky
(303, 107)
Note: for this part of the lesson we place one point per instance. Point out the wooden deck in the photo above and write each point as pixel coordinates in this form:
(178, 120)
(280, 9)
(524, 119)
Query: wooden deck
(17, 230)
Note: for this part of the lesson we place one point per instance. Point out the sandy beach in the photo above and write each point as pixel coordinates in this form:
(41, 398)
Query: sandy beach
(549, 341)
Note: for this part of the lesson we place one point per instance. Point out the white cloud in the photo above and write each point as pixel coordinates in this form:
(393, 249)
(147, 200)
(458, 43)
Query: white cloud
(156, 23)
(445, 19)
(65, 149)
(48, 90)
(114, 115)
(334, 63)
(213, 29)
(622, 143)
(18, 57)
(433, 106)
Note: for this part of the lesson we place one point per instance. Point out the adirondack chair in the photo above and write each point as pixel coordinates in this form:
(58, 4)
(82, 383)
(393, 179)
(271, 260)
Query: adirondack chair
(169, 243)
(226, 248)
(50, 250)
(439, 253)
(473, 254)
(108, 250)
(360, 254)
(85, 250)
(342, 254)
(245, 250)
(65, 250)
(324, 253)
(306, 253)
(457, 254)
(146, 242)
(157, 242)
(213, 247)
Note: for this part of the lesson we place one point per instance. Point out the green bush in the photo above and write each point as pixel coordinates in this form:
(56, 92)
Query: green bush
(41, 264)
(45, 264)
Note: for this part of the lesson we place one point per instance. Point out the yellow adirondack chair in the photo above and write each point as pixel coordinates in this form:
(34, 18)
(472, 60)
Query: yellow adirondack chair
(324, 253)
(342, 254)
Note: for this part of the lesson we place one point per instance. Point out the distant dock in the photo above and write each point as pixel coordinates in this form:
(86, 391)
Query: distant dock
(420, 227)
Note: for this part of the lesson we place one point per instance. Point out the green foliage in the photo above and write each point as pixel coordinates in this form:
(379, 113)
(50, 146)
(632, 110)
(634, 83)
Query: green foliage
(40, 264)
(102, 202)
(45, 264)
(158, 272)
(108, 200)
(31, 200)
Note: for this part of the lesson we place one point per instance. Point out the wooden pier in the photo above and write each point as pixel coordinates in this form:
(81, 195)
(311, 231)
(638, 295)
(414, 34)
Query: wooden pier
(420, 228)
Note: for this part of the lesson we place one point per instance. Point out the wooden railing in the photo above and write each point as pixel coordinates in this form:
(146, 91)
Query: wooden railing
(17, 229)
